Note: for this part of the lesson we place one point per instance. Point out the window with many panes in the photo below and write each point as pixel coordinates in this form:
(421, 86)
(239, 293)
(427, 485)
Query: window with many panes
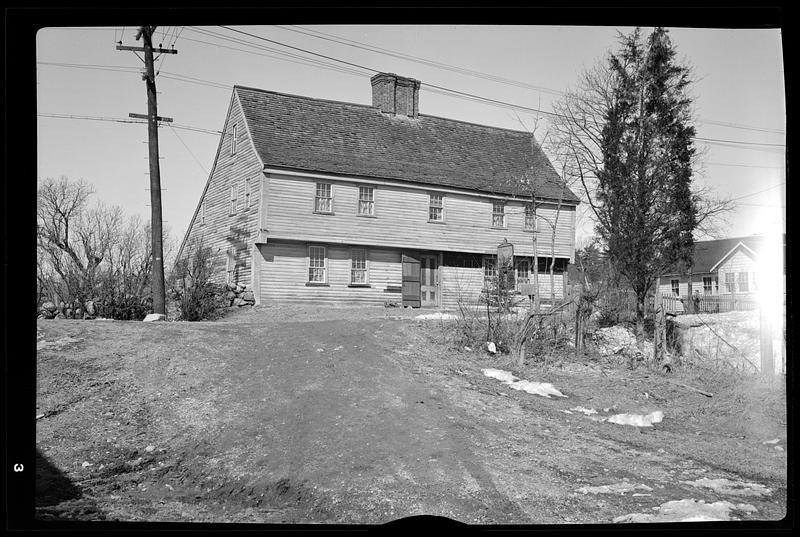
(708, 285)
(436, 208)
(233, 199)
(323, 200)
(489, 269)
(730, 282)
(523, 271)
(498, 214)
(366, 200)
(317, 269)
(530, 217)
(675, 285)
(744, 282)
(358, 266)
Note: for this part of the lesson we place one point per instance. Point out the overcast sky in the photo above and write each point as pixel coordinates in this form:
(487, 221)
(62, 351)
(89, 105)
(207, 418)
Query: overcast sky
(739, 97)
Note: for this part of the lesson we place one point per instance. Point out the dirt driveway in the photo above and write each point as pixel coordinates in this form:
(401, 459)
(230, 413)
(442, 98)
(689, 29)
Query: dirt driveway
(314, 416)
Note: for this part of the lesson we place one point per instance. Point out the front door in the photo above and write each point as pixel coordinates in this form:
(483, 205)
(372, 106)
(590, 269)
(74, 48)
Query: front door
(429, 280)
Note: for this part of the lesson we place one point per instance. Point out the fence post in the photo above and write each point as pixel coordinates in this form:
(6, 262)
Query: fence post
(659, 329)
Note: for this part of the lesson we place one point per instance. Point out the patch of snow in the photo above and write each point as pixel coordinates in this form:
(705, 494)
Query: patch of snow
(586, 411)
(733, 488)
(545, 389)
(637, 420)
(615, 488)
(499, 374)
(689, 510)
(773, 441)
(491, 347)
(437, 315)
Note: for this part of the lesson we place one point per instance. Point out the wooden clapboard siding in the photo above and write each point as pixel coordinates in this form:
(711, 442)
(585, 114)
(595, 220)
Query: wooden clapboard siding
(221, 230)
(665, 287)
(401, 219)
(460, 285)
(284, 274)
(735, 264)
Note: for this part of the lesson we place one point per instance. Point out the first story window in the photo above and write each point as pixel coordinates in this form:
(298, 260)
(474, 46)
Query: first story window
(323, 199)
(498, 214)
(744, 282)
(366, 200)
(247, 194)
(436, 208)
(675, 285)
(523, 271)
(489, 269)
(358, 266)
(230, 265)
(730, 282)
(317, 264)
(708, 284)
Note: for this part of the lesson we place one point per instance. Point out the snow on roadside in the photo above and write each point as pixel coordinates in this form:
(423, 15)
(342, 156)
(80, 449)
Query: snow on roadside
(733, 488)
(438, 315)
(615, 488)
(637, 420)
(545, 389)
(689, 510)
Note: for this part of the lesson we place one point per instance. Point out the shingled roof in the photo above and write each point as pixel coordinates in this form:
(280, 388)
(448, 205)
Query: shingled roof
(291, 131)
(709, 253)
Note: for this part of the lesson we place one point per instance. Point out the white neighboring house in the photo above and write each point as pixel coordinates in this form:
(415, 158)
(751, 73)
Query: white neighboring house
(725, 268)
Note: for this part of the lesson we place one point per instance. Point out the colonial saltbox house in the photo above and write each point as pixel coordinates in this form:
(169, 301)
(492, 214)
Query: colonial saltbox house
(324, 201)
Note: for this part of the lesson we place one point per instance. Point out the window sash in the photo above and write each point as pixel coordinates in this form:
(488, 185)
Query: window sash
(366, 200)
(708, 285)
(730, 282)
(523, 272)
(489, 268)
(323, 199)
(247, 193)
(317, 269)
(358, 266)
(498, 214)
(675, 285)
(530, 218)
(744, 281)
(233, 199)
(436, 207)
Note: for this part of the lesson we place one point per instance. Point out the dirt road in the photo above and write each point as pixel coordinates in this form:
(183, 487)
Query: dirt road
(309, 417)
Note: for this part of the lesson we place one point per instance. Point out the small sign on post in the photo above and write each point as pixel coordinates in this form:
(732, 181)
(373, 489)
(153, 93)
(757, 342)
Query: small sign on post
(505, 255)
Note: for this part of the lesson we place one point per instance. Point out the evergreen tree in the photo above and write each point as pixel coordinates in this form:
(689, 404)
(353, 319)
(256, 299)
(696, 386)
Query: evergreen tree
(644, 204)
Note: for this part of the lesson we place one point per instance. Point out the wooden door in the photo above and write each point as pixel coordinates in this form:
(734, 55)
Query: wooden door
(411, 273)
(429, 280)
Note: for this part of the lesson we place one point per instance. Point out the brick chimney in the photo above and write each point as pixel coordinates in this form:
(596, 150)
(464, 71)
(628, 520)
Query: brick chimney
(396, 95)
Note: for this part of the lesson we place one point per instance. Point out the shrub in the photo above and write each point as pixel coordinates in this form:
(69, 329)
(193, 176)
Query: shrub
(197, 297)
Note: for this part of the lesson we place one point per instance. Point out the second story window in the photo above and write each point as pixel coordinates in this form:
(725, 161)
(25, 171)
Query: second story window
(233, 199)
(246, 194)
(366, 201)
(498, 214)
(530, 217)
(323, 200)
(233, 141)
(436, 208)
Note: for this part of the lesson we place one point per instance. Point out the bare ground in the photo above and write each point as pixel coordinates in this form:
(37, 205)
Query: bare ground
(328, 415)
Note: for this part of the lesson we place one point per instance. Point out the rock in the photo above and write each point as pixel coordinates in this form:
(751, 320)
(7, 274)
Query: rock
(491, 347)
(150, 449)
(238, 302)
(239, 288)
(778, 448)
(154, 317)
(230, 286)
(86, 464)
(60, 315)
(248, 296)
(230, 295)
(89, 305)
(49, 306)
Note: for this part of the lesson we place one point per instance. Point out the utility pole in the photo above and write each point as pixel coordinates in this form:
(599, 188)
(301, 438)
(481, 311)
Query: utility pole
(158, 288)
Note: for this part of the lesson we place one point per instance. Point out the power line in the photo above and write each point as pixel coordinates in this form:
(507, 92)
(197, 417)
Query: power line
(478, 74)
(187, 149)
(126, 120)
(759, 192)
(745, 165)
(737, 142)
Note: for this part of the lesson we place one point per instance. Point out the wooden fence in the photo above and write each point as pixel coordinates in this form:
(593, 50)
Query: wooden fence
(708, 304)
